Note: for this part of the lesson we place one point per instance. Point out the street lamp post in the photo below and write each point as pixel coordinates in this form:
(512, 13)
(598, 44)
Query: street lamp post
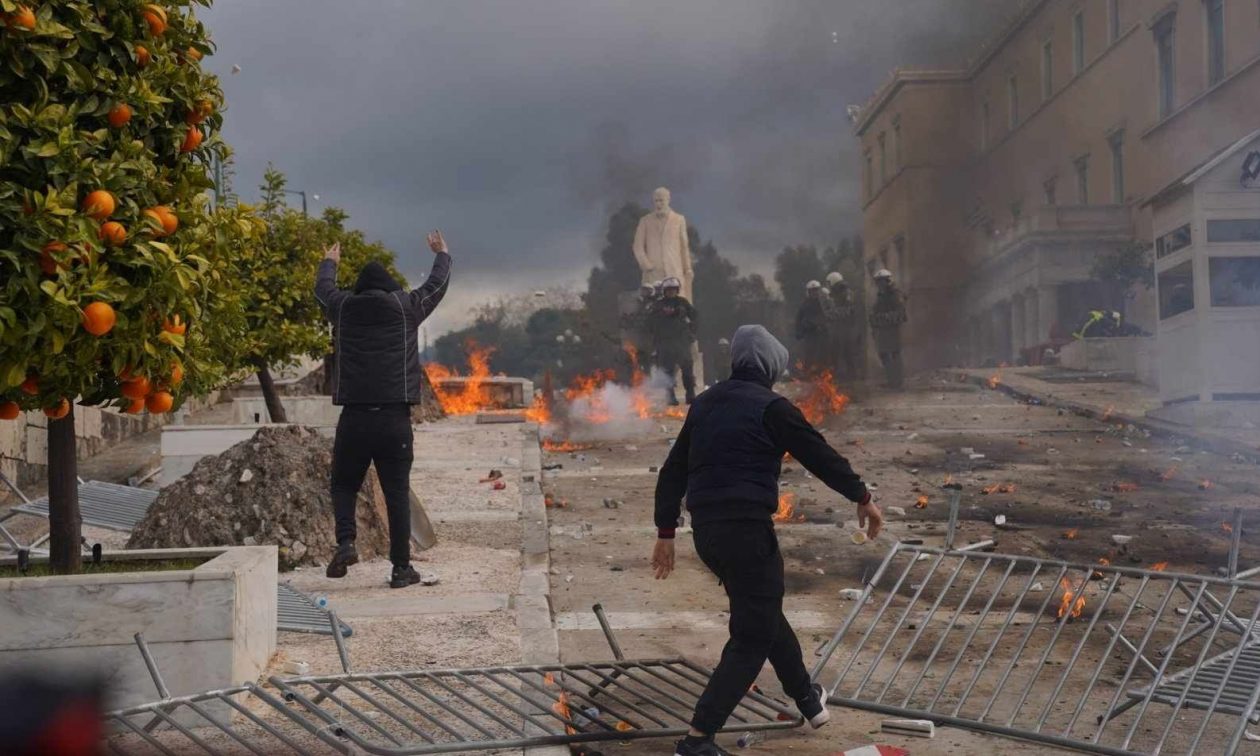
(299, 191)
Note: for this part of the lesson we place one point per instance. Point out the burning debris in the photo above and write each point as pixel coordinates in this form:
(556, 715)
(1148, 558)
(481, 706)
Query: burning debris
(821, 399)
(787, 509)
(472, 396)
(1072, 601)
(1070, 535)
(921, 502)
(993, 488)
(995, 380)
(1159, 566)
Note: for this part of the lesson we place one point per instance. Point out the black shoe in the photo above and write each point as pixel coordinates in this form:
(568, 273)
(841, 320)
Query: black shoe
(703, 748)
(673, 400)
(343, 557)
(814, 708)
(402, 577)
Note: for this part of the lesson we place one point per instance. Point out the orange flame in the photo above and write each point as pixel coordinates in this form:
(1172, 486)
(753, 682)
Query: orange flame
(1107, 413)
(1228, 528)
(787, 506)
(1104, 561)
(623, 726)
(1125, 487)
(1159, 566)
(995, 380)
(1168, 474)
(1206, 485)
(921, 502)
(565, 446)
(678, 413)
(998, 488)
(549, 679)
(472, 396)
(1070, 602)
(1070, 534)
(561, 708)
(822, 399)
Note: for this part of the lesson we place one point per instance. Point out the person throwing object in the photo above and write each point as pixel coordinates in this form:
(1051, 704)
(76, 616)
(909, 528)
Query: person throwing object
(376, 381)
(726, 461)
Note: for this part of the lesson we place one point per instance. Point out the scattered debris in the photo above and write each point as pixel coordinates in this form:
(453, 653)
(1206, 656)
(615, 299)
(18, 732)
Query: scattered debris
(499, 485)
(299, 668)
(612, 503)
(552, 466)
(921, 502)
(858, 537)
(494, 475)
(429, 578)
(851, 594)
(1070, 535)
(999, 520)
(915, 728)
(1102, 505)
(1121, 540)
(898, 511)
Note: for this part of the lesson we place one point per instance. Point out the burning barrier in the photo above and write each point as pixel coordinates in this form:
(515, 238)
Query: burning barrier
(470, 397)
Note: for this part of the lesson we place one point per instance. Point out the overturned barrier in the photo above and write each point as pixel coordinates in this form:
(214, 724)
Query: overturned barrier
(1091, 657)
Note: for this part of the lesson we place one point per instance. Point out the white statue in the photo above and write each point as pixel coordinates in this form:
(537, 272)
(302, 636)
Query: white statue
(660, 244)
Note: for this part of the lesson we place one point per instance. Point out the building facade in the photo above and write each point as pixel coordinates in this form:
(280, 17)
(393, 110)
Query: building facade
(991, 192)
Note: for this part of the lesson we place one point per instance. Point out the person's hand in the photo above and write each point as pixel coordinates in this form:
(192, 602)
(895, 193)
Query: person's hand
(871, 518)
(333, 253)
(436, 242)
(663, 557)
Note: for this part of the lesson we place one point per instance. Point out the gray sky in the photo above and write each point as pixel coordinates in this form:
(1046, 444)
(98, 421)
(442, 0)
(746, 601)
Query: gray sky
(515, 126)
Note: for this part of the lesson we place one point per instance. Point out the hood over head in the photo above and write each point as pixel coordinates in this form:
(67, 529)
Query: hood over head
(754, 348)
(373, 275)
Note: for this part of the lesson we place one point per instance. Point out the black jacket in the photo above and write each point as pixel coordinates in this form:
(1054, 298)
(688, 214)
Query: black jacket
(727, 457)
(672, 321)
(374, 331)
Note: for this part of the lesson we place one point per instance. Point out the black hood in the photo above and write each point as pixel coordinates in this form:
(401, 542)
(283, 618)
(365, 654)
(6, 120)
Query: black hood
(374, 276)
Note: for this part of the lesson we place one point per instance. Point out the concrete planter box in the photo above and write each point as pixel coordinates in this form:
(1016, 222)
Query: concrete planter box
(209, 627)
(184, 445)
(303, 410)
(1125, 354)
(503, 392)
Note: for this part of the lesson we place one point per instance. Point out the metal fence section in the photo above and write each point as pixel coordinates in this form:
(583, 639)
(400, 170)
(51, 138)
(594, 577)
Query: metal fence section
(297, 612)
(104, 505)
(448, 711)
(1093, 657)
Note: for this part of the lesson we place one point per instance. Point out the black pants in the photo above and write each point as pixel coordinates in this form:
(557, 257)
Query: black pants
(678, 358)
(894, 373)
(379, 434)
(744, 554)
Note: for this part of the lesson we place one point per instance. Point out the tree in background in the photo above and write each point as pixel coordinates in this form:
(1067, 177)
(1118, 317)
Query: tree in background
(793, 268)
(1121, 270)
(107, 123)
(618, 271)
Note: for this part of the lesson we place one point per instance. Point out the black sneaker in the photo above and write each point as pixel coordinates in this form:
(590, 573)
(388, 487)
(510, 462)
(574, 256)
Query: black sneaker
(343, 557)
(703, 748)
(402, 577)
(814, 708)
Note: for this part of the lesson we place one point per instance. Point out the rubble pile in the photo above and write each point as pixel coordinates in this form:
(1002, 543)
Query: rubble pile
(271, 489)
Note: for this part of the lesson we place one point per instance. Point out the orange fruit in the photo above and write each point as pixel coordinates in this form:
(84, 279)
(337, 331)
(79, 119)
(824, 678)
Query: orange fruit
(175, 325)
(22, 18)
(159, 402)
(200, 111)
(170, 222)
(136, 388)
(155, 17)
(113, 233)
(99, 205)
(59, 410)
(191, 53)
(30, 385)
(135, 408)
(192, 140)
(177, 373)
(9, 410)
(99, 318)
(143, 58)
(119, 115)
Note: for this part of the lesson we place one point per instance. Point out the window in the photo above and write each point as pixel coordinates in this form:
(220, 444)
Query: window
(1166, 64)
(1234, 281)
(1116, 142)
(1012, 97)
(1113, 19)
(1047, 70)
(984, 125)
(1078, 42)
(1176, 290)
(883, 159)
(1215, 10)
(1178, 238)
(1082, 180)
(897, 144)
(1235, 231)
(870, 177)
(1050, 189)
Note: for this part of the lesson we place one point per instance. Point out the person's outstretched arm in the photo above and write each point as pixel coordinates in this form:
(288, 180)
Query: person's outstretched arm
(327, 294)
(793, 433)
(426, 297)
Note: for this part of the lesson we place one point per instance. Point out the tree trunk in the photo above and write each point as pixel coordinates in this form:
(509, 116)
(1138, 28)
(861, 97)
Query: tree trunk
(65, 524)
(275, 409)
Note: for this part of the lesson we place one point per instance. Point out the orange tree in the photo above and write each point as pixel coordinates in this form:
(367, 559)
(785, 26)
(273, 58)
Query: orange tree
(107, 124)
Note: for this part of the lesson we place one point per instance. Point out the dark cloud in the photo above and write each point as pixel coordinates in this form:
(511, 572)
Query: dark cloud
(515, 126)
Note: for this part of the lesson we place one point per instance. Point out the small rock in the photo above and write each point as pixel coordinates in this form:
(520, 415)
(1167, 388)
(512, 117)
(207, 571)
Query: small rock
(246, 475)
(898, 511)
(297, 550)
(1121, 540)
(616, 568)
(429, 578)
(249, 541)
(851, 594)
(1037, 587)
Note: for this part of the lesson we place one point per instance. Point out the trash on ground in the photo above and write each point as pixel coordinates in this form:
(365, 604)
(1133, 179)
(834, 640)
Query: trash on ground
(858, 537)
(851, 594)
(1121, 540)
(493, 475)
(429, 578)
(1102, 505)
(915, 728)
(299, 668)
(900, 512)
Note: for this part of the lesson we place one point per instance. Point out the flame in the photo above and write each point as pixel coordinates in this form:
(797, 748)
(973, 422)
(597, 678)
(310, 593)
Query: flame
(678, 413)
(1159, 566)
(1070, 602)
(1125, 487)
(921, 502)
(587, 387)
(998, 488)
(1104, 561)
(561, 708)
(995, 380)
(623, 726)
(787, 506)
(1070, 534)
(1228, 528)
(565, 446)
(472, 396)
(822, 399)
(1168, 474)
(1107, 413)
(1205, 485)
(549, 679)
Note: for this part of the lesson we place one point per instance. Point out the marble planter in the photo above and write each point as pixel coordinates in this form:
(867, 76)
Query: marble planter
(209, 627)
